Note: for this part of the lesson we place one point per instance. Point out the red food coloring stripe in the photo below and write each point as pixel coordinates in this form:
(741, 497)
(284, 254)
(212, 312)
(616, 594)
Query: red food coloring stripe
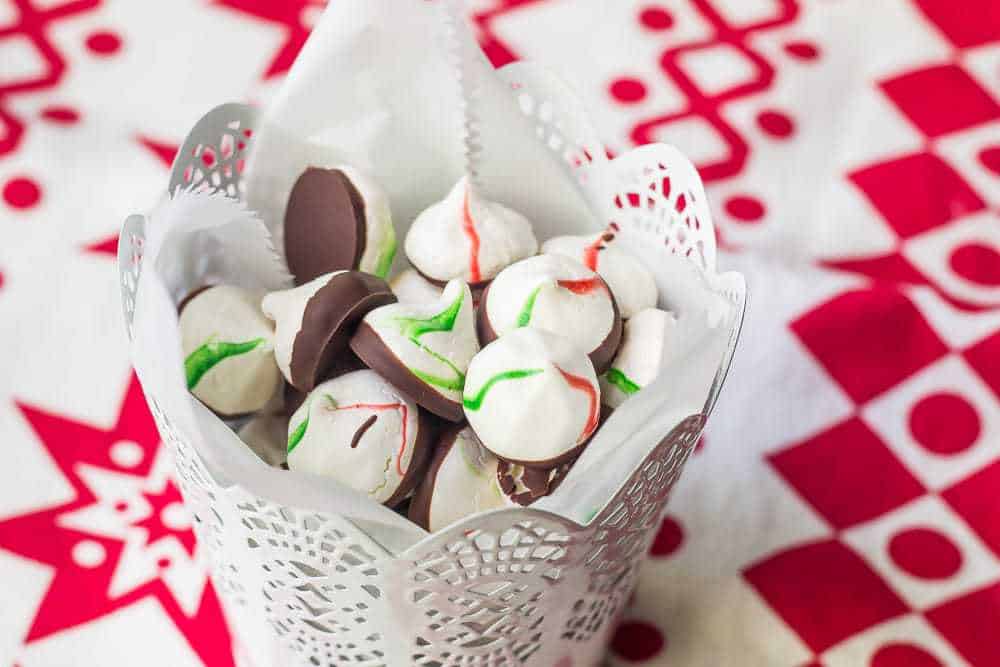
(384, 406)
(469, 227)
(590, 253)
(584, 286)
(581, 384)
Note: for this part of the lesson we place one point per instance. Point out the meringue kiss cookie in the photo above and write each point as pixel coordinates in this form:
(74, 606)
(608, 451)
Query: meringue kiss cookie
(631, 283)
(532, 398)
(461, 480)
(267, 437)
(227, 344)
(337, 219)
(557, 294)
(423, 349)
(464, 236)
(315, 321)
(641, 355)
(359, 430)
(524, 485)
(411, 287)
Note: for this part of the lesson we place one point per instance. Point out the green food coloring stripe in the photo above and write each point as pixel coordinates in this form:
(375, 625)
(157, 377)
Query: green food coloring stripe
(209, 354)
(300, 431)
(622, 381)
(388, 254)
(525, 315)
(414, 327)
(476, 401)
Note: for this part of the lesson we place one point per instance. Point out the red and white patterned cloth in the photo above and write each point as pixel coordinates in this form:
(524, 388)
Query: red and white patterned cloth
(844, 508)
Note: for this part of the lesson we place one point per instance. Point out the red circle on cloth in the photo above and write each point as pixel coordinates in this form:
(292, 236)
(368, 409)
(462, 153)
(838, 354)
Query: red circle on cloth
(977, 263)
(775, 123)
(925, 553)
(744, 208)
(990, 158)
(1, 278)
(121, 506)
(802, 50)
(945, 423)
(903, 655)
(627, 90)
(104, 42)
(61, 115)
(163, 563)
(21, 192)
(636, 641)
(668, 539)
(656, 18)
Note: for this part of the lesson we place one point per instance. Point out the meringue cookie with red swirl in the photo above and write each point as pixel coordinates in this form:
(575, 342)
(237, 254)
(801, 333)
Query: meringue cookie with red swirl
(557, 294)
(631, 283)
(361, 431)
(532, 397)
(467, 237)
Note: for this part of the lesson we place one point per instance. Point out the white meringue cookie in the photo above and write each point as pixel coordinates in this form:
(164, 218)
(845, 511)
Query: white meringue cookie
(641, 357)
(359, 430)
(557, 294)
(411, 287)
(532, 397)
(464, 236)
(286, 308)
(380, 235)
(227, 344)
(632, 283)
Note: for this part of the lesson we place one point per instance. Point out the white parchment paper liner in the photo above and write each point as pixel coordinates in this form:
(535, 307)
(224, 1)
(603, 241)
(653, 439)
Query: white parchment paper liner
(398, 88)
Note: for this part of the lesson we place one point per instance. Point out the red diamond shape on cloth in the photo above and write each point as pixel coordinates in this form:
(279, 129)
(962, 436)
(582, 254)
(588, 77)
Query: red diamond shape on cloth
(917, 192)
(977, 500)
(941, 99)
(970, 623)
(290, 14)
(824, 591)
(66, 537)
(984, 357)
(869, 340)
(976, 23)
(847, 474)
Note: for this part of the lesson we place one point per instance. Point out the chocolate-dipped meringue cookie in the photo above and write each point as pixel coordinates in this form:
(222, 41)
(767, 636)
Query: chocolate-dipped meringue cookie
(557, 294)
(411, 287)
(267, 436)
(461, 481)
(314, 321)
(641, 355)
(423, 349)
(338, 219)
(631, 283)
(532, 397)
(361, 431)
(465, 236)
(523, 485)
(227, 344)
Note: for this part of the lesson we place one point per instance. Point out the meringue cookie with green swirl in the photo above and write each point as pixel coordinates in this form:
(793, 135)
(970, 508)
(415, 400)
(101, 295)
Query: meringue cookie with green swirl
(631, 283)
(361, 431)
(557, 294)
(468, 237)
(423, 348)
(532, 397)
(648, 334)
(227, 344)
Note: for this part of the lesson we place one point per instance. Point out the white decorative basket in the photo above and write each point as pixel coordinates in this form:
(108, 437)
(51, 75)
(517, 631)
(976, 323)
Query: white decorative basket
(518, 586)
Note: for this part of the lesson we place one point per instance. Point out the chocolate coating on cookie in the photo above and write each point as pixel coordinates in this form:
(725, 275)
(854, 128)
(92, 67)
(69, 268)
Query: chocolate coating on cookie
(532, 397)
(227, 345)
(314, 322)
(337, 219)
(557, 294)
(461, 480)
(361, 431)
(524, 485)
(424, 349)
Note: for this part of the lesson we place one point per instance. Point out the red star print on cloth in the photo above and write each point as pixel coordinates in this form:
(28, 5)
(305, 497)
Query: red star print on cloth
(297, 17)
(125, 537)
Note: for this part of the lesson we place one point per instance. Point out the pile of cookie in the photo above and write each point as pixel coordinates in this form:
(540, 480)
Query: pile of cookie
(471, 381)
